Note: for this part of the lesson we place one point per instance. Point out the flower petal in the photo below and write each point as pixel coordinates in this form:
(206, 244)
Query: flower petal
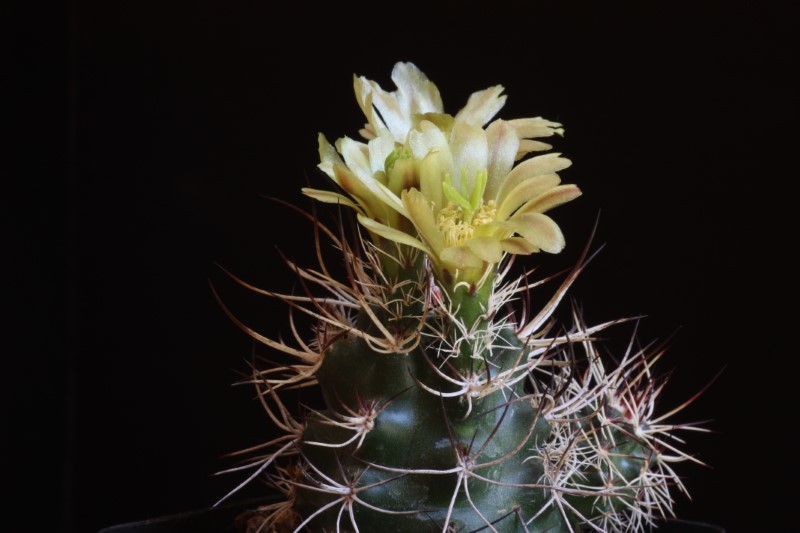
(430, 147)
(403, 175)
(356, 188)
(328, 156)
(482, 106)
(518, 246)
(527, 146)
(356, 156)
(539, 230)
(427, 138)
(371, 194)
(530, 128)
(392, 234)
(503, 145)
(415, 91)
(432, 170)
(550, 199)
(524, 192)
(367, 132)
(460, 257)
(470, 155)
(543, 164)
(396, 118)
(379, 149)
(487, 248)
(421, 215)
(415, 94)
(330, 197)
(364, 97)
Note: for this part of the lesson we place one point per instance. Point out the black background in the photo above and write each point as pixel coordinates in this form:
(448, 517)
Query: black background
(146, 133)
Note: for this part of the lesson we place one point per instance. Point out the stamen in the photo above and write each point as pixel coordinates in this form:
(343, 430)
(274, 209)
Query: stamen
(458, 226)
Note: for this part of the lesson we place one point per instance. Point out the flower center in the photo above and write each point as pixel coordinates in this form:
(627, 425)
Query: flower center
(458, 225)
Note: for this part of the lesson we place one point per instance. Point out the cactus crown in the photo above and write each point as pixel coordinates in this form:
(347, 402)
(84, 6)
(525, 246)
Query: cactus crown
(446, 409)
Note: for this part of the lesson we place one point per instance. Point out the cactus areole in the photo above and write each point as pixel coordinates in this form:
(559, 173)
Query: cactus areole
(447, 409)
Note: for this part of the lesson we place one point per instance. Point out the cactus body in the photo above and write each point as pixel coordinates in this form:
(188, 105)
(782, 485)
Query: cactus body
(445, 409)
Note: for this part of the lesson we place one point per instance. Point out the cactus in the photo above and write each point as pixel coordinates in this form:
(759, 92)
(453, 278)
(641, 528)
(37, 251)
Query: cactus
(445, 408)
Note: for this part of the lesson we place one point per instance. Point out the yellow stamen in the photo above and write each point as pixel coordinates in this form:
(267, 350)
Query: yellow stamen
(456, 224)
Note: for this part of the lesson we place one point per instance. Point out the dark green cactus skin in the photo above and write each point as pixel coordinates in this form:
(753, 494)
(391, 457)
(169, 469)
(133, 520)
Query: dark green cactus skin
(501, 478)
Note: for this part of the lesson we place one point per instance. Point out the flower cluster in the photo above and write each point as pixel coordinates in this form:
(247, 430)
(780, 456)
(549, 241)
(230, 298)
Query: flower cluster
(454, 187)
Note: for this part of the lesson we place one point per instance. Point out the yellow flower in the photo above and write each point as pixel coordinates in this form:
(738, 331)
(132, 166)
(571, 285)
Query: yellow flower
(446, 184)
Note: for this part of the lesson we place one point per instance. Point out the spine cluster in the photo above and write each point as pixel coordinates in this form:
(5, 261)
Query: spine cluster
(449, 410)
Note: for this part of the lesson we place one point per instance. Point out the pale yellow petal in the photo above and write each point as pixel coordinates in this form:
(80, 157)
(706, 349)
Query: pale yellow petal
(356, 188)
(539, 230)
(421, 215)
(328, 156)
(432, 170)
(388, 197)
(482, 106)
(525, 191)
(330, 197)
(470, 155)
(402, 176)
(487, 248)
(543, 164)
(503, 146)
(415, 91)
(518, 246)
(364, 97)
(530, 128)
(415, 94)
(418, 143)
(391, 234)
(394, 116)
(367, 132)
(379, 149)
(356, 157)
(550, 199)
(460, 257)
(495, 229)
(527, 146)
(443, 121)
(427, 138)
